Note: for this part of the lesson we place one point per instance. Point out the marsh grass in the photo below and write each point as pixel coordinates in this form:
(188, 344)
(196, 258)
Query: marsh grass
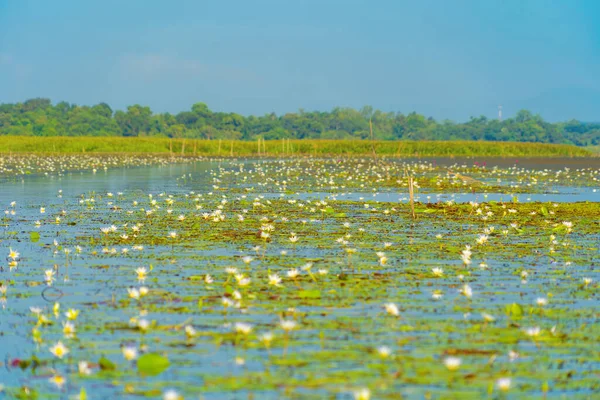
(593, 149)
(271, 148)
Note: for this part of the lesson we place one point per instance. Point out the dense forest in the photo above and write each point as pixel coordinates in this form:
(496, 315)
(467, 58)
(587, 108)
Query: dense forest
(39, 117)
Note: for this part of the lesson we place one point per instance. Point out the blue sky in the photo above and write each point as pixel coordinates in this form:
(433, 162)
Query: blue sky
(450, 59)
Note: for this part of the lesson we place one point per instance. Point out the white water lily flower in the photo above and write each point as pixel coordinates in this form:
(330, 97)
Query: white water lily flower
(84, 368)
(275, 280)
(288, 325)
(58, 381)
(242, 327)
(130, 353)
(384, 351)
(59, 350)
(467, 291)
(190, 332)
(247, 259)
(362, 394)
(452, 363)
(540, 301)
(533, 332)
(392, 309)
(503, 384)
(171, 395)
(487, 317)
(293, 273)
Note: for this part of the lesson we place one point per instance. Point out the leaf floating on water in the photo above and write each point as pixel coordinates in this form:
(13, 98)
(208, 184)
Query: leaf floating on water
(106, 365)
(152, 364)
(34, 237)
(309, 294)
(514, 310)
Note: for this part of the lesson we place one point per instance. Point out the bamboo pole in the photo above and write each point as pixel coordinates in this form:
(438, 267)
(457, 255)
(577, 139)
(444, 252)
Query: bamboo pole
(373, 140)
(411, 193)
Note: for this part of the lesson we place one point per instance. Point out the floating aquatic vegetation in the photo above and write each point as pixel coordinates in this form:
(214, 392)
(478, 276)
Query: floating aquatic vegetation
(289, 279)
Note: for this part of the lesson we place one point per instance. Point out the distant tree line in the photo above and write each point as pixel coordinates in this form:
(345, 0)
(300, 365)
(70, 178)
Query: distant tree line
(39, 117)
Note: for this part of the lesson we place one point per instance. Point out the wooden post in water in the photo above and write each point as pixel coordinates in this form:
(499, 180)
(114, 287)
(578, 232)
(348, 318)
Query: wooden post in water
(373, 140)
(411, 194)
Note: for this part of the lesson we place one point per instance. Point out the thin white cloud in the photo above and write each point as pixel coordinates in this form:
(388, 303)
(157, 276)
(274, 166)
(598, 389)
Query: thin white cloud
(157, 66)
(6, 58)
(15, 68)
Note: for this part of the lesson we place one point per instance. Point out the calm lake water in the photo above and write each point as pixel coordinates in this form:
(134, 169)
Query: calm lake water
(170, 179)
(94, 281)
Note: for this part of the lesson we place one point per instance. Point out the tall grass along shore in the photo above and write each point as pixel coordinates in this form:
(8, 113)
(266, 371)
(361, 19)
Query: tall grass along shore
(284, 147)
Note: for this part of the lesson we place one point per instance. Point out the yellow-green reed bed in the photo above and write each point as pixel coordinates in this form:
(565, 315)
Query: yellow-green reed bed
(593, 149)
(236, 148)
